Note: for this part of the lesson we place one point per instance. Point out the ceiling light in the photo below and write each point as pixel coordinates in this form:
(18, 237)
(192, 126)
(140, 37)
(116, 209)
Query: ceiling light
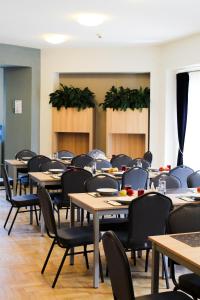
(90, 19)
(54, 38)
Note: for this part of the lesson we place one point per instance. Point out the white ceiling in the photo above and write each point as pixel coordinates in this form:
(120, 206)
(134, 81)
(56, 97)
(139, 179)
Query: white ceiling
(24, 22)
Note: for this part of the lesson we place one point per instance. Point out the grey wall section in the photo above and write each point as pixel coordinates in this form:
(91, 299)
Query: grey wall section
(1, 105)
(17, 85)
(14, 56)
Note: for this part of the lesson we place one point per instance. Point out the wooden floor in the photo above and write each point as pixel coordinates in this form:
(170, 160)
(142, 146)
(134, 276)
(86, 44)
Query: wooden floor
(21, 258)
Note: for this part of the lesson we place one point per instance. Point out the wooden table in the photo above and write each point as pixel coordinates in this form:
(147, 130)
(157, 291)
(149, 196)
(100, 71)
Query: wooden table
(13, 165)
(178, 251)
(100, 207)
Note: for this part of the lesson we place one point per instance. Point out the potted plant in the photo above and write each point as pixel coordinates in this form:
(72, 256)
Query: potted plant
(72, 119)
(69, 96)
(120, 98)
(127, 120)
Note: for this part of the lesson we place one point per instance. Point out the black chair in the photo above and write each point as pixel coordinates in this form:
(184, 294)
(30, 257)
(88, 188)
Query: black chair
(52, 164)
(82, 160)
(25, 153)
(72, 181)
(104, 181)
(193, 180)
(65, 153)
(66, 238)
(18, 202)
(135, 163)
(148, 156)
(182, 172)
(119, 160)
(34, 165)
(147, 216)
(136, 177)
(172, 182)
(120, 273)
(182, 220)
(102, 163)
(97, 154)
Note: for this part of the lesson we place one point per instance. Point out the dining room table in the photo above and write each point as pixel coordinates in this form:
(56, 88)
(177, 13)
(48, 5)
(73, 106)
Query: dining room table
(183, 248)
(100, 206)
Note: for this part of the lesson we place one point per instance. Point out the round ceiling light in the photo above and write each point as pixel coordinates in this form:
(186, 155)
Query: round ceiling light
(54, 38)
(90, 19)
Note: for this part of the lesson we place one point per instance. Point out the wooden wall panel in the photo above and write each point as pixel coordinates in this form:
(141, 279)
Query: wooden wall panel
(76, 142)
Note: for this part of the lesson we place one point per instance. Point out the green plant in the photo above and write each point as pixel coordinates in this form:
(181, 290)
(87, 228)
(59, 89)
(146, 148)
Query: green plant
(120, 98)
(69, 96)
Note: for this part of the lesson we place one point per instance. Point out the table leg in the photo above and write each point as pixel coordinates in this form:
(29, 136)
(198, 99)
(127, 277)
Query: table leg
(14, 181)
(96, 250)
(72, 218)
(155, 270)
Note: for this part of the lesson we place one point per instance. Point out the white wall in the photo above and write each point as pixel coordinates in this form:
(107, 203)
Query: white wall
(112, 60)
(162, 62)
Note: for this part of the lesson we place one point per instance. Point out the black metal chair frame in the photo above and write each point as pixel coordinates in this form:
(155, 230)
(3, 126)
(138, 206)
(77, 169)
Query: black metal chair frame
(26, 201)
(120, 273)
(47, 210)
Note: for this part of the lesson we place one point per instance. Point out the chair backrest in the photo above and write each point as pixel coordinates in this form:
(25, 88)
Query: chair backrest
(65, 153)
(24, 153)
(193, 180)
(82, 160)
(182, 172)
(53, 164)
(147, 216)
(101, 181)
(47, 211)
(97, 154)
(148, 156)
(102, 163)
(186, 218)
(6, 183)
(172, 182)
(118, 267)
(35, 163)
(119, 160)
(136, 177)
(73, 181)
(134, 163)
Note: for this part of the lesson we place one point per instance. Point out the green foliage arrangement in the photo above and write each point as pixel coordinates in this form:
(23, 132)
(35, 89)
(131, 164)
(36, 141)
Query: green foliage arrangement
(69, 96)
(119, 98)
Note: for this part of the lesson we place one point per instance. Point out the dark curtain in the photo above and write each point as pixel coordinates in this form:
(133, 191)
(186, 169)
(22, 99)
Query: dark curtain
(182, 83)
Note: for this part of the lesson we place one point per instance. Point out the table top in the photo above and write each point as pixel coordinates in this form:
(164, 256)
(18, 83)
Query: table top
(42, 177)
(16, 162)
(177, 249)
(101, 203)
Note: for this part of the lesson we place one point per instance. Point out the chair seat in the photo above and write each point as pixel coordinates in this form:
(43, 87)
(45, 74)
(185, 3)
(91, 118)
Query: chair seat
(165, 296)
(76, 236)
(57, 199)
(113, 224)
(190, 283)
(123, 237)
(25, 200)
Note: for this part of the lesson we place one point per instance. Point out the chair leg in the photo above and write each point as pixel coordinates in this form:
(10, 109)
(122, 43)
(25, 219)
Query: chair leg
(67, 210)
(48, 256)
(36, 216)
(60, 268)
(147, 260)
(86, 257)
(58, 217)
(165, 271)
(101, 269)
(11, 226)
(8, 216)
